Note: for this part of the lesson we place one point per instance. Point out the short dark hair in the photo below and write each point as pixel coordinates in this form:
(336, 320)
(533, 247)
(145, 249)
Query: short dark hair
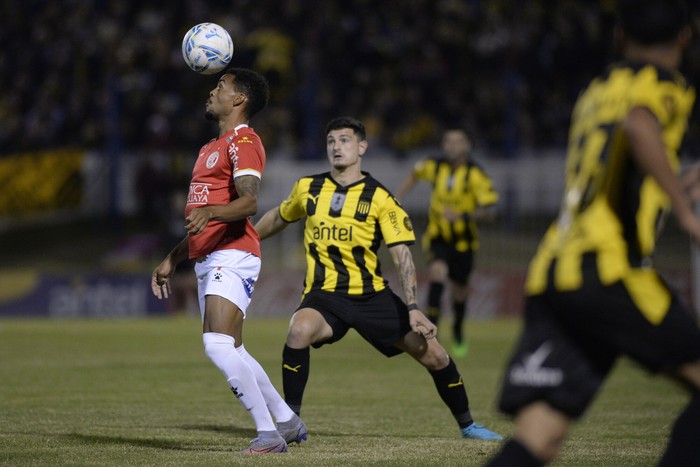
(348, 122)
(651, 22)
(254, 86)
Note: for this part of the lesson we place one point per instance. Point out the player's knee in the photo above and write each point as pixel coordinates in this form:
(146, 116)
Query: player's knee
(544, 450)
(459, 293)
(217, 346)
(437, 271)
(542, 429)
(300, 334)
(435, 357)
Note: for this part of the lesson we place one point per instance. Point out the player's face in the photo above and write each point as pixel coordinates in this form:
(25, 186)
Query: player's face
(221, 99)
(456, 144)
(344, 148)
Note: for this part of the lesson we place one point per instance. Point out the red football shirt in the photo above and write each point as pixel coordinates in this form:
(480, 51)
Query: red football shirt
(238, 152)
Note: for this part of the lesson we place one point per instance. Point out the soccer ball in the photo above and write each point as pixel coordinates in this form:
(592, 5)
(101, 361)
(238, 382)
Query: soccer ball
(207, 48)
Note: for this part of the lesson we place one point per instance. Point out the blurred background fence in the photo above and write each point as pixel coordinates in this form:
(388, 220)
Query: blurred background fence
(100, 122)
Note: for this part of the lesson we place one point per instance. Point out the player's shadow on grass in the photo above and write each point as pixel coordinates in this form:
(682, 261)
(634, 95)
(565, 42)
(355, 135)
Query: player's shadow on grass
(164, 444)
(228, 429)
(234, 430)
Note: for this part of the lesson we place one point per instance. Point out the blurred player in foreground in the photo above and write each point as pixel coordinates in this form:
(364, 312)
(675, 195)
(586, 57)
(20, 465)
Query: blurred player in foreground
(221, 240)
(348, 214)
(462, 193)
(592, 292)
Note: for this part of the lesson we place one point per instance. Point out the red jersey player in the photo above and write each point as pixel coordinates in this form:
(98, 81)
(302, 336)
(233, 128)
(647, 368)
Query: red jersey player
(226, 250)
(221, 162)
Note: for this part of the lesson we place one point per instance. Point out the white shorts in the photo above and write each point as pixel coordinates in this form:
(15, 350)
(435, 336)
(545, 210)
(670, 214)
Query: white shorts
(230, 274)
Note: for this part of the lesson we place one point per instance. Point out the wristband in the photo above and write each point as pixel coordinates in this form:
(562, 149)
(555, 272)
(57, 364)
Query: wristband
(412, 306)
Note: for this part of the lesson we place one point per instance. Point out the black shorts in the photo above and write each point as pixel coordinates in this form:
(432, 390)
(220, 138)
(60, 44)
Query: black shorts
(459, 263)
(571, 341)
(380, 318)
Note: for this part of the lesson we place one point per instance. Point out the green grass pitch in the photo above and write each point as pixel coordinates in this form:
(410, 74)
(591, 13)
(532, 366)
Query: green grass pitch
(141, 392)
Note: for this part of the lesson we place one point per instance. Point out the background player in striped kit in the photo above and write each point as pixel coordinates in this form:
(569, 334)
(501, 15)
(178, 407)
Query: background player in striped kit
(462, 194)
(348, 215)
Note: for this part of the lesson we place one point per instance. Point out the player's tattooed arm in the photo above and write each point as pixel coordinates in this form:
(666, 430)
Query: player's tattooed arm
(247, 185)
(246, 204)
(403, 260)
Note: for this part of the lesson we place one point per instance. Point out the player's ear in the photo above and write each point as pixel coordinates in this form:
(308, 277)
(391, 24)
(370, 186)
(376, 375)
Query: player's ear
(363, 147)
(239, 99)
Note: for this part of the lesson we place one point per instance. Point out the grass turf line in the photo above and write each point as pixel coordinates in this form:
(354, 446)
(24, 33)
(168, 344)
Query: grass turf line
(141, 392)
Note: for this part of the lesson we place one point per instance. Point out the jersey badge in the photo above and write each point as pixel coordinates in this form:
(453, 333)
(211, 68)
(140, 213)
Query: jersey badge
(337, 201)
(363, 207)
(212, 159)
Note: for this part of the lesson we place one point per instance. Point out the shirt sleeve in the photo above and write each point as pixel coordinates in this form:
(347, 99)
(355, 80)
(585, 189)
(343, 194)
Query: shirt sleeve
(294, 207)
(424, 169)
(247, 157)
(658, 95)
(394, 223)
(483, 189)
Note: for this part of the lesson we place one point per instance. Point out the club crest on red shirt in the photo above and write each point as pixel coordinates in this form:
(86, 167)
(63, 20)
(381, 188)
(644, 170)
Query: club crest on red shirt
(212, 159)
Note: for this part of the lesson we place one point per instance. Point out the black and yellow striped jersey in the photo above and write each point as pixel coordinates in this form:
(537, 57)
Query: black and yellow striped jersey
(610, 209)
(460, 189)
(344, 228)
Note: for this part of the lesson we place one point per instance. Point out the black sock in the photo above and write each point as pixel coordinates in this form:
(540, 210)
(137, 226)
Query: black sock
(451, 388)
(513, 453)
(295, 374)
(459, 310)
(434, 297)
(684, 446)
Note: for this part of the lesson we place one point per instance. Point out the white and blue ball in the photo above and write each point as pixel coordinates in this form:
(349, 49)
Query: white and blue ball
(207, 48)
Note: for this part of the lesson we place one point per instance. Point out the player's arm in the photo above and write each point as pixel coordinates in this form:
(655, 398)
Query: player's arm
(644, 135)
(244, 206)
(270, 223)
(401, 255)
(278, 218)
(486, 196)
(691, 182)
(160, 279)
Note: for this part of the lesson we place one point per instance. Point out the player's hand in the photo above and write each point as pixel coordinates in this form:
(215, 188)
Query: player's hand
(197, 220)
(160, 280)
(420, 324)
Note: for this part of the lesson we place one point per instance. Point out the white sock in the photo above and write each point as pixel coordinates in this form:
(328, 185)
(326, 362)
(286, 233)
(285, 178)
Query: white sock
(220, 348)
(277, 406)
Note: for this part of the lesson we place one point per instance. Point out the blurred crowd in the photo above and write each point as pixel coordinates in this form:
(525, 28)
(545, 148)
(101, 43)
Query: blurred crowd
(109, 75)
